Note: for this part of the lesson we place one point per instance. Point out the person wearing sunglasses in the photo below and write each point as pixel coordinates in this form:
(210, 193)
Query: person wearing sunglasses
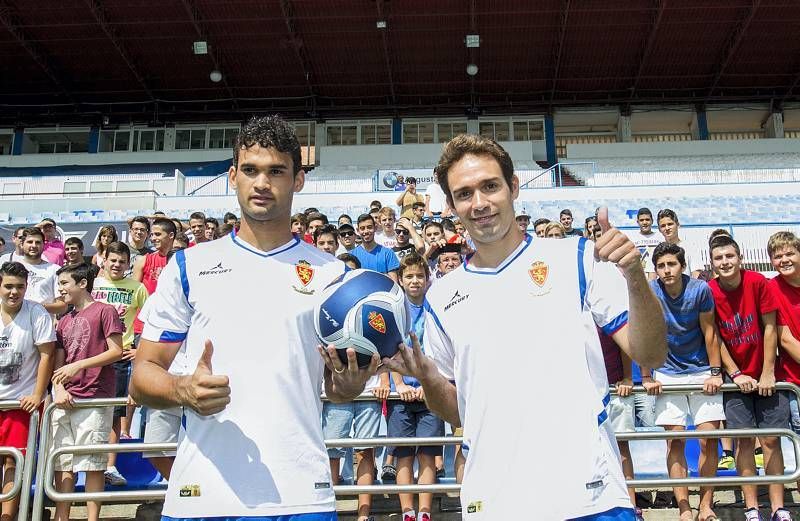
(16, 253)
(53, 247)
(347, 238)
(408, 240)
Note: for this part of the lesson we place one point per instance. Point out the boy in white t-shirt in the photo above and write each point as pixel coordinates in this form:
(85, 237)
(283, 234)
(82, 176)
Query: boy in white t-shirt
(27, 343)
(42, 278)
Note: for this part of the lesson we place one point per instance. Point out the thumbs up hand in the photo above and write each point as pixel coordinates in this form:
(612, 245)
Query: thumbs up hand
(204, 391)
(614, 246)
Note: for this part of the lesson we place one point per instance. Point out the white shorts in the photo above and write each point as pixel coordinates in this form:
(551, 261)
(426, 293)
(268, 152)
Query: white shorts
(81, 427)
(621, 414)
(162, 427)
(675, 409)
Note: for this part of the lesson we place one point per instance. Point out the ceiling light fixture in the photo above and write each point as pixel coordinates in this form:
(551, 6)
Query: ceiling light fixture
(380, 24)
(200, 47)
(472, 69)
(215, 76)
(473, 40)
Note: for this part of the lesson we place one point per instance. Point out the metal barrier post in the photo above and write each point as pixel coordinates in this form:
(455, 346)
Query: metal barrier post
(22, 463)
(29, 463)
(19, 463)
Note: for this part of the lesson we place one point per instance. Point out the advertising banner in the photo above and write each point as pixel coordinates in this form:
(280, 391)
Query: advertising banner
(394, 180)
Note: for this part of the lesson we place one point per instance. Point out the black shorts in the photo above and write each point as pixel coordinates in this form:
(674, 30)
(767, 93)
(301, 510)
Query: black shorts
(750, 410)
(413, 420)
(123, 372)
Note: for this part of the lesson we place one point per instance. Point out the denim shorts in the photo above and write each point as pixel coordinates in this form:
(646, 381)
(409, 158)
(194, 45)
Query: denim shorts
(413, 420)
(364, 417)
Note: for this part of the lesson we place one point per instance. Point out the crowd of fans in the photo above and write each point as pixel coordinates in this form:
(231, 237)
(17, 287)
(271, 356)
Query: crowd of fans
(70, 324)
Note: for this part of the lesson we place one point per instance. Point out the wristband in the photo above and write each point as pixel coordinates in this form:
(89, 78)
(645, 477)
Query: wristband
(716, 371)
(735, 374)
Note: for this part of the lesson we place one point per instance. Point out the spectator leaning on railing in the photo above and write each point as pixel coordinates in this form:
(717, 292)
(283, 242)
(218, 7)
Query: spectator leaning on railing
(27, 343)
(745, 317)
(693, 357)
(89, 341)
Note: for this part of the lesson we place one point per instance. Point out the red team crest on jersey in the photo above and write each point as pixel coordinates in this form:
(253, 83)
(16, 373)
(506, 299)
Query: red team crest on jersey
(538, 272)
(377, 322)
(304, 272)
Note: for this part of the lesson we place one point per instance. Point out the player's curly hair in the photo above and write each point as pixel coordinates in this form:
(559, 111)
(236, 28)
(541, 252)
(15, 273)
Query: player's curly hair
(268, 132)
(471, 144)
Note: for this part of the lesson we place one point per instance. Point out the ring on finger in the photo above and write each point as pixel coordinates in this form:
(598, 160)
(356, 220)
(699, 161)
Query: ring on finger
(337, 371)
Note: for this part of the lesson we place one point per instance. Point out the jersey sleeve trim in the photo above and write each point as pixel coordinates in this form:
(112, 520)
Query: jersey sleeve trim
(180, 258)
(616, 323)
(427, 307)
(171, 337)
(582, 271)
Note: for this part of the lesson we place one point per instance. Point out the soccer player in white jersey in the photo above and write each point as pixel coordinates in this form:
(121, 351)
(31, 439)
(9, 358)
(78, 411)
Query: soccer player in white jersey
(518, 319)
(252, 444)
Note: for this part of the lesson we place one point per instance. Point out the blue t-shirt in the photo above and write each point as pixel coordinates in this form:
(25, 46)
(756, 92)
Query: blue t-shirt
(417, 317)
(380, 259)
(686, 353)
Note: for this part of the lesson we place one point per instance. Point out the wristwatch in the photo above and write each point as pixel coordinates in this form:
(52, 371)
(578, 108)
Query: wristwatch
(716, 371)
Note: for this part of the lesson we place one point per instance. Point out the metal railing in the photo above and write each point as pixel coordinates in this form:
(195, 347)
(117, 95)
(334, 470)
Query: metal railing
(23, 473)
(45, 472)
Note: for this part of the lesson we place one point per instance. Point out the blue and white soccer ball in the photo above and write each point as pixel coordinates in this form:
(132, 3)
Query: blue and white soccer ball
(364, 310)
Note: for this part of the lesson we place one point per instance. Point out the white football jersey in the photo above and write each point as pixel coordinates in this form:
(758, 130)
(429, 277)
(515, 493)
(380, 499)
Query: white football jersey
(264, 455)
(520, 342)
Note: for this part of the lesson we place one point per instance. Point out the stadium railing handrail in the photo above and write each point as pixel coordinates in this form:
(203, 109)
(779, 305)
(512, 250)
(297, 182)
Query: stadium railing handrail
(45, 472)
(24, 464)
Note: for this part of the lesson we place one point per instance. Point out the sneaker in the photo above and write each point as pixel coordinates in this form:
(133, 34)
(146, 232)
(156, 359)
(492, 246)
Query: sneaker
(424, 516)
(114, 478)
(409, 516)
(781, 515)
(638, 516)
(752, 514)
(389, 473)
(726, 463)
(760, 460)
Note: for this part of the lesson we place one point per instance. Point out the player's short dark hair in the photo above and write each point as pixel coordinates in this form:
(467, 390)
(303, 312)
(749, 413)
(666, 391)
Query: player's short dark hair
(417, 205)
(365, 217)
(268, 132)
(229, 216)
(414, 259)
(32, 230)
(14, 269)
(144, 221)
(212, 220)
(197, 215)
(471, 144)
(666, 248)
(166, 224)
(79, 272)
(120, 248)
(322, 230)
(644, 211)
(348, 257)
(717, 233)
(720, 241)
(667, 213)
(76, 241)
(540, 221)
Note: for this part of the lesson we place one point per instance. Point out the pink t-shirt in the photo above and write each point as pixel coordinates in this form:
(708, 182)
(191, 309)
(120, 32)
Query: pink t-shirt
(54, 252)
(83, 334)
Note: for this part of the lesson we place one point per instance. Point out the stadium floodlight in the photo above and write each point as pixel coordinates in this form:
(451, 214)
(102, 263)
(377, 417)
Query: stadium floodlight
(380, 24)
(200, 47)
(472, 69)
(215, 76)
(473, 41)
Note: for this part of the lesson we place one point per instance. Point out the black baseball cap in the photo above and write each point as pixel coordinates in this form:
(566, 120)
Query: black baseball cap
(345, 227)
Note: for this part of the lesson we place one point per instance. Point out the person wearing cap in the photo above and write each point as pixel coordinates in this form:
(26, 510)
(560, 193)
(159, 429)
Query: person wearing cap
(565, 218)
(53, 251)
(523, 221)
(407, 199)
(347, 238)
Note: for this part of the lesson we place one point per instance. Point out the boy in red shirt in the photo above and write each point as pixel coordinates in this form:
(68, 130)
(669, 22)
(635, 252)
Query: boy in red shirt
(746, 319)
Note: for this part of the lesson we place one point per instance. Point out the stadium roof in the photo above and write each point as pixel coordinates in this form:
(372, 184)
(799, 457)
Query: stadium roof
(82, 59)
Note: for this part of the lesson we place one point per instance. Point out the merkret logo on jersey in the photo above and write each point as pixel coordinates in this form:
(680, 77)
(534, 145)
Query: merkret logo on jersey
(219, 269)
(457, 298)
